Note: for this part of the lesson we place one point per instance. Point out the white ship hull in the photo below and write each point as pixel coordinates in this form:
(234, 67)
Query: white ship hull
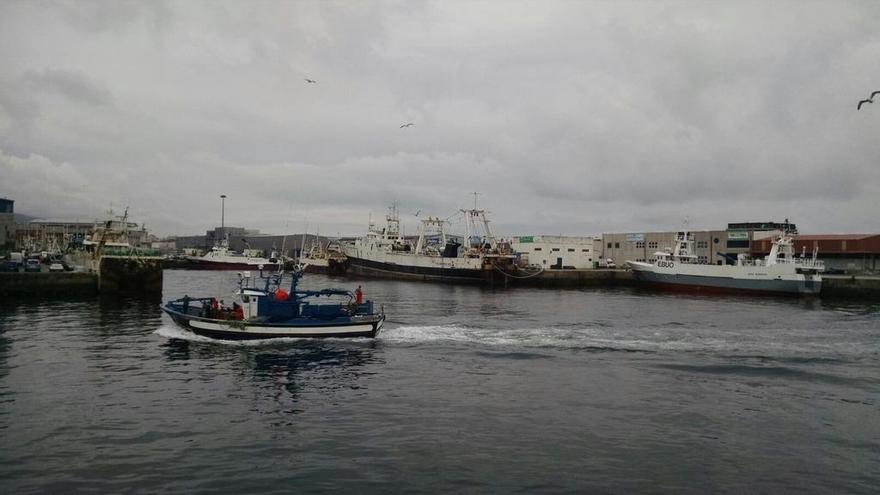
(777, 279)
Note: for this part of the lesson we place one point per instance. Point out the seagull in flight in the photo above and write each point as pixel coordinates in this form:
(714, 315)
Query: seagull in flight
(408, 124)
(863, 102)
(311, 81)
(417, 213)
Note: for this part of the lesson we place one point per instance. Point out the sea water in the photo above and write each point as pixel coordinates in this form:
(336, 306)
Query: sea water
(465, 389)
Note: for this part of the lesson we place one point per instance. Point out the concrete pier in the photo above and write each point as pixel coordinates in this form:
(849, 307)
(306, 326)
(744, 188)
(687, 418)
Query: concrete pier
(45, 283)
(115, 275)
(851, 286)
(130, 275)
(575, 278)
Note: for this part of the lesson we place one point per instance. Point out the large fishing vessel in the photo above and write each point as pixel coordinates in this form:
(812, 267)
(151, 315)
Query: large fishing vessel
(434, 256)
(781, 272)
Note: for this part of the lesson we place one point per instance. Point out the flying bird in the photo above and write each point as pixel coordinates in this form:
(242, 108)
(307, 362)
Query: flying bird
(875, 93)
(863, 102)
(408, 124)
(311, 81)
(417, 213)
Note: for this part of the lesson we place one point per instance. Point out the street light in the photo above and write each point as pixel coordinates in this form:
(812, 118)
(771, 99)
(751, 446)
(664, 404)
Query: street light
(222, 211)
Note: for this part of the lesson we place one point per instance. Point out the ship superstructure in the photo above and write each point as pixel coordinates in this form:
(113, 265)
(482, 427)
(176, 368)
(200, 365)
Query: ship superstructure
(434, 255)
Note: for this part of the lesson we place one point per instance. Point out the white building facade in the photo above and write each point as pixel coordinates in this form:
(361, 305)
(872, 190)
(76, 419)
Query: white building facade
(556, 252)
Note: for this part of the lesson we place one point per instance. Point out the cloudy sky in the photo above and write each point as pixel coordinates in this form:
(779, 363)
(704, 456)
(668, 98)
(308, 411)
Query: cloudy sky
(569, 118)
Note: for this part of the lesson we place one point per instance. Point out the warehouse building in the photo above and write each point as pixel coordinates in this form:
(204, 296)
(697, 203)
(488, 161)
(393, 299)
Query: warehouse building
(846, 253)
(556, 252)
(7, 225)
(710, 246)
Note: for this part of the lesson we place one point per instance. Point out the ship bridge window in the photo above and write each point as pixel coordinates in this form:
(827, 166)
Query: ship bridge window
(245, 299)
(570, 250)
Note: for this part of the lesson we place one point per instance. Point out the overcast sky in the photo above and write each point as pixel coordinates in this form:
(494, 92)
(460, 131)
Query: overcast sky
(569, 118)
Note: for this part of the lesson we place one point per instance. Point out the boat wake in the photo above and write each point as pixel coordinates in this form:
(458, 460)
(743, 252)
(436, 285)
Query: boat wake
(604, 339)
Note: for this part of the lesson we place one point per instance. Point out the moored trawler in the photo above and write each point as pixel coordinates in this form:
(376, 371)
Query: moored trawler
(781, 272)
(220, 257)
(434, 256)
(325, 258)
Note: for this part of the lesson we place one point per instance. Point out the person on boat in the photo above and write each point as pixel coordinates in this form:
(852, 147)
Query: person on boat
(358, 295)
(237, 311)
(215, 308)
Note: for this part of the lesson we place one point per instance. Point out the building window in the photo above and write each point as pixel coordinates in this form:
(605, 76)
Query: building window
(585, 250)
(640, 244)
(538, 249)
(652, 245)
(715, 240)
(555, 249)
(609, 245)
(570, 250)
(616, 245)
(737, 244)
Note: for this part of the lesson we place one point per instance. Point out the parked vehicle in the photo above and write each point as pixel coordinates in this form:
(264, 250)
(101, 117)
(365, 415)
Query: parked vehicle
(9, 266)
(16, 258)
(56, 266)
(33, 265)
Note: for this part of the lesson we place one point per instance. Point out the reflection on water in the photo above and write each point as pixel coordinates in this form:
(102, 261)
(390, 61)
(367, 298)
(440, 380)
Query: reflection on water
(466, 388)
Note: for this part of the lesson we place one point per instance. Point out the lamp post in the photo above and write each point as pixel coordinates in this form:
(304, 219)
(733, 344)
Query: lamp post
(222, 212)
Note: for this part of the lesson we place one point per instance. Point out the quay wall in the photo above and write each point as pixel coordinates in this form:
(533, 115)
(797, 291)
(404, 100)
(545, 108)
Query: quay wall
(854, 286)
(576, 278)
(131, 275)
(45, 283)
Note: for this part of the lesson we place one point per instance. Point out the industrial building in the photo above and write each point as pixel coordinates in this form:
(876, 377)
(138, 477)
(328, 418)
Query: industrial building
(848, 253)
(557, 252)
(52, 234)
(7, 225)
(710, 246)
(241, 239)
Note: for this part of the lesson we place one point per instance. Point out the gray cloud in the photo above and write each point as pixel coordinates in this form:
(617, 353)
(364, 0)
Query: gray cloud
(569, 117)
(72, 84)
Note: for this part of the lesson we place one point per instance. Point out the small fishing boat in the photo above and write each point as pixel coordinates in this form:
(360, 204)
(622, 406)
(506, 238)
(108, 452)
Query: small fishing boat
(264, 309)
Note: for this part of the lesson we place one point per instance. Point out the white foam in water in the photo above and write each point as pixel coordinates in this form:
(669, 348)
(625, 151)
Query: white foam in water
(599, 337)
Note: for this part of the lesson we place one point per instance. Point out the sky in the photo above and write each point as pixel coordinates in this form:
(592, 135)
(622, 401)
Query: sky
(572, 118)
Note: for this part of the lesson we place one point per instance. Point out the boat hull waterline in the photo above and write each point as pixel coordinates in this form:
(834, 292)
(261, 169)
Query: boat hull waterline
(222, 265)
(243, 330)
(404, 271)
(700, 283)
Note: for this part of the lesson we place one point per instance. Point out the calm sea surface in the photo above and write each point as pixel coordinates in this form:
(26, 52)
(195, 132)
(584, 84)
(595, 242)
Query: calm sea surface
(466, 389)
